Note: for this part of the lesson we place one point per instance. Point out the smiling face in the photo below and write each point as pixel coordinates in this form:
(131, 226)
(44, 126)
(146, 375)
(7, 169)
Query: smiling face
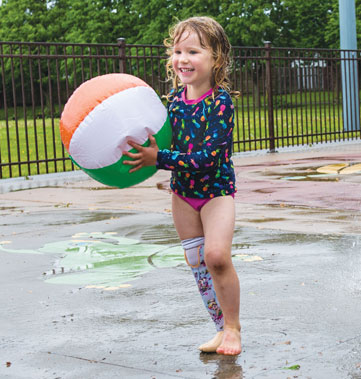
(193, 64)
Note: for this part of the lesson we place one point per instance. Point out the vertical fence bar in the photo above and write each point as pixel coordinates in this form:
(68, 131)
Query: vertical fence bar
(271, 134)
(13, 55)
(265, 109)
(121, 53)
(309, 92)
(291, 97)
(331, 95)
(280, 105)
(43, 112)
(258, 101)
(248, 118)
(27, 148)
(320, 89)
(90, 58)
(58, 91)
(98, 60)
(6, 116)
(50, 106)
(33, 107)
(286, 101)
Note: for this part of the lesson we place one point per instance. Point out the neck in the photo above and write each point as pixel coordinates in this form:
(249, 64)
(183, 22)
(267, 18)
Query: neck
(194, 93)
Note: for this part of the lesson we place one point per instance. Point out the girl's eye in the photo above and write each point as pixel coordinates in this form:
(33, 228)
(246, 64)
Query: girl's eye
(177, 52)
(193, 52)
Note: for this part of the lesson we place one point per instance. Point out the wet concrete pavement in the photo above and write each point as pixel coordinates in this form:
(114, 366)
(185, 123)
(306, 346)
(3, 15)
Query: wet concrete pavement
(93, 283)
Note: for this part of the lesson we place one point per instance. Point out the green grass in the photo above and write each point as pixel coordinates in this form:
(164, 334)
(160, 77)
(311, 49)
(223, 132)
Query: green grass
(302, 125)
(292, 100)
(31, 141)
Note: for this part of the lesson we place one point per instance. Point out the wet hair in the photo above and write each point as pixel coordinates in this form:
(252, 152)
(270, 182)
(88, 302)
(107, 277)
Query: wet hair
(211, 35)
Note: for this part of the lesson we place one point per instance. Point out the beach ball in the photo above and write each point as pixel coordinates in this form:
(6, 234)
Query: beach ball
(99, 119)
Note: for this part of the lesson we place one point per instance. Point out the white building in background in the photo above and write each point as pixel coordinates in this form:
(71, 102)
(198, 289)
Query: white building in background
(310, 73)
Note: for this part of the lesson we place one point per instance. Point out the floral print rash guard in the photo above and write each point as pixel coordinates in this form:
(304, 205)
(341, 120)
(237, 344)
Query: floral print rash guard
(200, 156)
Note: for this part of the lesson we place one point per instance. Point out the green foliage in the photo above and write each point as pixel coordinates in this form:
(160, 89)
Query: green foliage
(291, 23)
(307, 21)
(24, 20)
(250, 22)
(332, 31)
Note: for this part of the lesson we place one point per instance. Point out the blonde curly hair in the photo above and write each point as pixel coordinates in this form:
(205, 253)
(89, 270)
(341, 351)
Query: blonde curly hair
(211, 35)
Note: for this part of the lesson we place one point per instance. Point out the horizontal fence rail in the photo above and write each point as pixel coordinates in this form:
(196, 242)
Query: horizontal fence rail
(283, 97)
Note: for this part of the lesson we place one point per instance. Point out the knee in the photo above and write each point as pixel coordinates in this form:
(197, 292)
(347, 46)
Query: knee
(217, 261)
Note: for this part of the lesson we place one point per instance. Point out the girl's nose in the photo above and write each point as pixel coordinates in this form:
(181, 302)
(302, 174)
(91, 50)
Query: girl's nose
(183, 58)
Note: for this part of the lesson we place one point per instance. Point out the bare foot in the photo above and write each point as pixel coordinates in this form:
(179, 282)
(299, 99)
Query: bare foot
(231, 342)
(212, 345)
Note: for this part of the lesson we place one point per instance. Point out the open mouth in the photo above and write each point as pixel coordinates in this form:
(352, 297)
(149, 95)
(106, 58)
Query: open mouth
(186, 69)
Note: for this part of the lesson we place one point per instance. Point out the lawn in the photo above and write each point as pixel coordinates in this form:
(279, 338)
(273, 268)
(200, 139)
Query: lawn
(37, 142)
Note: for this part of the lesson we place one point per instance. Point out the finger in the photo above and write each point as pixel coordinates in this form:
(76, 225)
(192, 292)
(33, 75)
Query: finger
(132, 163)
(135, 169)
(131, 155)
(153, 142)
(135, 145)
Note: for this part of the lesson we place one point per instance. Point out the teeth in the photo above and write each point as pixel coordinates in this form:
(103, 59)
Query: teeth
(186, 69)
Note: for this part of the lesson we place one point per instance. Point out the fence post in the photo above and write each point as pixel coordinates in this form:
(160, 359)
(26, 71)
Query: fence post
(271, 133)
(121, 47)
(349, 63)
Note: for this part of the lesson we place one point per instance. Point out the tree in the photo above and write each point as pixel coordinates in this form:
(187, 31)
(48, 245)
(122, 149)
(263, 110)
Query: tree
(307, 21)
(87, 21)
(248, 22)
(23, 20)
(287, 23)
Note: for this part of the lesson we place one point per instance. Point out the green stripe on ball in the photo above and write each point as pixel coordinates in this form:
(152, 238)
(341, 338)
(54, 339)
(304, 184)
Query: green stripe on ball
(117, 174)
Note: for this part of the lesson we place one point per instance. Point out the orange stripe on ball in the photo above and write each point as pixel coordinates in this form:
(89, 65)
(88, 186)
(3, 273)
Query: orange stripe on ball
(88, 96)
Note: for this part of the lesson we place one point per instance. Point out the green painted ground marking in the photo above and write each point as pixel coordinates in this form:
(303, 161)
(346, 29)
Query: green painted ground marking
(22, 251)
(294, 367)
(104, 259)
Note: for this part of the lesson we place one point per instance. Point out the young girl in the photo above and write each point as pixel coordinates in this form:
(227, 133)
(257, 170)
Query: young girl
(203, 181)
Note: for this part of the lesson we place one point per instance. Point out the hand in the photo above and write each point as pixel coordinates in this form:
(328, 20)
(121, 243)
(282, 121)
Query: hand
(146, 156)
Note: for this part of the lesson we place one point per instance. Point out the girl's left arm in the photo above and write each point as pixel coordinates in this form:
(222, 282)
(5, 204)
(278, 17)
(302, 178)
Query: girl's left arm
(218, 134)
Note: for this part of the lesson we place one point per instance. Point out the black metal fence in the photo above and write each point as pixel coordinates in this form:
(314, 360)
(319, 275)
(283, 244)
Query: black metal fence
(288, 97)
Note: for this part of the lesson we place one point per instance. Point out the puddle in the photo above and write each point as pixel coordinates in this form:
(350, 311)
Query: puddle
(105, 188)
(329, 172)
(226, 367)
(88, 217)
(259, 221)
(313, 177)
(265, 190)
(7, 208)
(107, 260)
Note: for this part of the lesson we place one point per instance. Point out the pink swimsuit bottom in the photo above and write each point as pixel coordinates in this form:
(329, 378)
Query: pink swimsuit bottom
(197, 204)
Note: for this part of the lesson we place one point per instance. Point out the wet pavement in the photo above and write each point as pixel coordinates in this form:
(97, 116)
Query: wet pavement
(94, 285)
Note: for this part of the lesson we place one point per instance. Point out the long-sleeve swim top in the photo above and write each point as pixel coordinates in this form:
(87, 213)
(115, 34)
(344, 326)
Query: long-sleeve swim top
(200, 156)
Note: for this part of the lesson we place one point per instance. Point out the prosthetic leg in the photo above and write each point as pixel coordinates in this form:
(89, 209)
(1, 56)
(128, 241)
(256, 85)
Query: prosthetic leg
(194, 255)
